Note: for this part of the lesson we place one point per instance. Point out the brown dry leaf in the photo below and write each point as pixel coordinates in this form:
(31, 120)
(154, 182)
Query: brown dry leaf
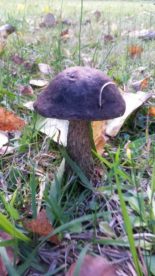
(135, 50)
(151, 111)
(108, 38)
(28, 65)
(9, 121)
(141, 84)
(91, 266)
(65, 34)
(144, 84)
(41, 226)
(99, 128)
(10, 253)
(26, 90)
(17, 59)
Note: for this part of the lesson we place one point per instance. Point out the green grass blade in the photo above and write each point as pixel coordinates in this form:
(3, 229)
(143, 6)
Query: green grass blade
(11, 271)
(121, 173)
(85, 182)
(9, 208)
(128, 226)
(33, 194)
(9, 228)
(7, 243)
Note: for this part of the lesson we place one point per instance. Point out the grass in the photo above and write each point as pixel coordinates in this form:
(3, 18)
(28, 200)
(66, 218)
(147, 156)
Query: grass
(124, 201)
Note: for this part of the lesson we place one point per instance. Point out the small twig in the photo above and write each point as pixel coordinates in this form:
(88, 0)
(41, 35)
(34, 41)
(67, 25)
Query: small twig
(146, 236)
(101, 91)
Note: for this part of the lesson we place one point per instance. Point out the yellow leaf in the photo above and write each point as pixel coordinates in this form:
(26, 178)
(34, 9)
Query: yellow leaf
(46, 9)
(98, 135)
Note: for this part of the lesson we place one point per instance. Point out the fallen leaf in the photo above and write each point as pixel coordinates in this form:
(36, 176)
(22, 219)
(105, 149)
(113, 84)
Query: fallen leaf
(17, 59)
(26, 90)
(65, 34)
(29, 105)
(135, 51)
(136, 33)
(148, 35)
(28, 65)
(133, 101)
(45, 68)
(91, 266)
(108, 38)
(3, 139)
(41, 226)
(98, 135)
(9, 121)
(38, 83)
(144, 84)
(6, 150)
(54, 128)
(151, 111)
(141, 84)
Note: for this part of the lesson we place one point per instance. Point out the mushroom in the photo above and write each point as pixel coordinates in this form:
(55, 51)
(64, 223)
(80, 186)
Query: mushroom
(81, 95)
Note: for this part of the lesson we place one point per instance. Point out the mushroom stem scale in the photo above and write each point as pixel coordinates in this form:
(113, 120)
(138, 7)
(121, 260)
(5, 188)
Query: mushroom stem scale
(80, 144)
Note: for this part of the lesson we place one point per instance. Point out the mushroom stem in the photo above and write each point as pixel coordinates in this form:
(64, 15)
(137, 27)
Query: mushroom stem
(80, 144)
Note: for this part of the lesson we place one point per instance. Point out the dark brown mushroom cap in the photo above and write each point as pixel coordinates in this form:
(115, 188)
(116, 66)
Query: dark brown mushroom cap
(76, 94)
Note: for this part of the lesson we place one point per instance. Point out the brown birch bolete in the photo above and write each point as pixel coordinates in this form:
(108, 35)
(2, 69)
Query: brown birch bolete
(81, 95)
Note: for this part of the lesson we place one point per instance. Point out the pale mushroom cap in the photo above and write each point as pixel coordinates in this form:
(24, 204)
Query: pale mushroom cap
(81, 93)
